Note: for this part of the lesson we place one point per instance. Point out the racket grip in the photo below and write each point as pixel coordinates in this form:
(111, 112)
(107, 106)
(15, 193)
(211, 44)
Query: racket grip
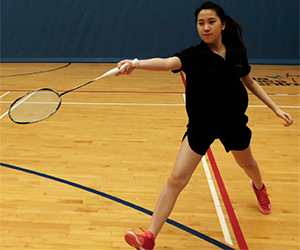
(115, 70)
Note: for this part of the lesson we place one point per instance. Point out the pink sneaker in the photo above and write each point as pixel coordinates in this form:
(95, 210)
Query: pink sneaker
(264, 203)
(143, 241)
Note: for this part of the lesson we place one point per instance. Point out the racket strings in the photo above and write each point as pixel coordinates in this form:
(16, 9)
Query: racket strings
(35, 106)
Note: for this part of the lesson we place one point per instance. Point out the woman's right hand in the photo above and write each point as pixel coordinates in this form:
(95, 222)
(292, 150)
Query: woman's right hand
(126, 70)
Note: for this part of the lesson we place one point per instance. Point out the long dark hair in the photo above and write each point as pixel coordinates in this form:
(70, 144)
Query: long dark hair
(233, 33)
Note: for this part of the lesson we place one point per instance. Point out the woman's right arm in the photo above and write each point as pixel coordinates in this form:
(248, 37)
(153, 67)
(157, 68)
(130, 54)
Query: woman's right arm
(155, 64)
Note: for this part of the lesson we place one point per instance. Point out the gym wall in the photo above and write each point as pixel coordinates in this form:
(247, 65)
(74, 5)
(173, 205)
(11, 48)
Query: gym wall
(111, 30)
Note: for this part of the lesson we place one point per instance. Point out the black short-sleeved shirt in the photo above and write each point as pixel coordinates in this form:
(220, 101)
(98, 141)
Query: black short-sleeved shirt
(215, 95)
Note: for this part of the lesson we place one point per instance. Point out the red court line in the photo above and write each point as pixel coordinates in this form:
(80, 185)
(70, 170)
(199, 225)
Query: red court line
(232, 217)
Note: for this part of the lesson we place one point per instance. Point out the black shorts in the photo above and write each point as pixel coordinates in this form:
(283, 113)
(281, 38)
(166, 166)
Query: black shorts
(236, 137)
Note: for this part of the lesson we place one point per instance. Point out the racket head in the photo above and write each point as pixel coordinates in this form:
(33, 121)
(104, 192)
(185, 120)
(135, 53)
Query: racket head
(34, 106)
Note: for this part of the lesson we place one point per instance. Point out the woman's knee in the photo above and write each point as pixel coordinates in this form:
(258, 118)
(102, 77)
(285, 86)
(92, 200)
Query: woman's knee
(178, 180)
(245, 158)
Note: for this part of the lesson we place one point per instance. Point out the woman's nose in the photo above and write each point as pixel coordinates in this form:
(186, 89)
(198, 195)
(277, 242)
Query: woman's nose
(206, 27)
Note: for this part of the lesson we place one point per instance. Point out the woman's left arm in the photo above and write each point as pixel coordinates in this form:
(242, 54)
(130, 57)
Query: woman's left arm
(258, 91)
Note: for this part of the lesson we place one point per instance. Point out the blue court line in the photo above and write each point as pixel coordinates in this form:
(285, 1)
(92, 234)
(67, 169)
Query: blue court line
(126, 203)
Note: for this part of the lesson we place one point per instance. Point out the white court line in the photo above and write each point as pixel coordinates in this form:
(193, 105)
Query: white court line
(5, 94)
(16, 105)
(113, 104)
(264, 106)
(3, 115)
(217, 203)
(4, 102)
(139, 104)
(131, 104)
(150, 104)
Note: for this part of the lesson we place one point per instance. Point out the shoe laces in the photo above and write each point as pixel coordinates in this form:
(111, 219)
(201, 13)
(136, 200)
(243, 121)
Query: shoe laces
(262, 196)
(148, 234)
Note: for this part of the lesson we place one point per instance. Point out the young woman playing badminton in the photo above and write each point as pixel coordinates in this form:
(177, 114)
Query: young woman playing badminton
(216, 101)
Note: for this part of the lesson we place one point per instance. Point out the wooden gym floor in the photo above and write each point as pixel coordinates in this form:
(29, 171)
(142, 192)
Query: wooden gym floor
(82, 178)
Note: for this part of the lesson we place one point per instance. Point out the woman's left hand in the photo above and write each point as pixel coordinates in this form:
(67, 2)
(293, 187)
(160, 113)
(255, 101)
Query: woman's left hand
(285, 116)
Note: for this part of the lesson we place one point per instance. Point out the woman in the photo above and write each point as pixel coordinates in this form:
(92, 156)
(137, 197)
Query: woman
(216, 101)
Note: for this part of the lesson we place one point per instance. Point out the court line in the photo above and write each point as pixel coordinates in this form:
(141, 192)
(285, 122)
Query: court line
(38, 72)
(230, 211)
(138, 104)
(142, 92)
(109, 104)
(147, 104)
(217, 202)
(107, 92)
(5, 94)
(7, 111)
(123, 202)
(16, 105)
(264, 106)
(3, 115)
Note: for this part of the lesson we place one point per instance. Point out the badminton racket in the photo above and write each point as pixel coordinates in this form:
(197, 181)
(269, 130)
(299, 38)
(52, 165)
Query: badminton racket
(38, 105)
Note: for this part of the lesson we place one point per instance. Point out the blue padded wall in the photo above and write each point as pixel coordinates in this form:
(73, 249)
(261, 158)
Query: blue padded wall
(110, 30)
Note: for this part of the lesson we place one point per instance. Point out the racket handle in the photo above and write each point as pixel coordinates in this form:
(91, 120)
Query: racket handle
(115, 70)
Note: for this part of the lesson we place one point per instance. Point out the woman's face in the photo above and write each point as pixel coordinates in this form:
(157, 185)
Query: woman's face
(210, 27)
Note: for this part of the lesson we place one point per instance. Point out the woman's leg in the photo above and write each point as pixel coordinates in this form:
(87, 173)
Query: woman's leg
(246, 161)
(186, 162)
